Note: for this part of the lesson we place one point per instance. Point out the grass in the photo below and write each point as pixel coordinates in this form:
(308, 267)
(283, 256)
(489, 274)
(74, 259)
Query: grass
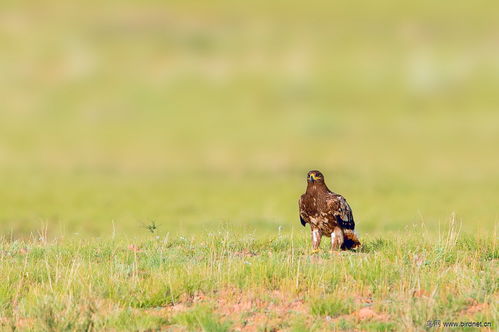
(222, 281)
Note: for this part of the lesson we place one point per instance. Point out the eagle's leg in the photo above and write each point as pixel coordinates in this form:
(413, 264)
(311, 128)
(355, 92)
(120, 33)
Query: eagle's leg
(316, 240)
(337, 238)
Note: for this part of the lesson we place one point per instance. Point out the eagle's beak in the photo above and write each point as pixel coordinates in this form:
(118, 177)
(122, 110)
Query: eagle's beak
(311, 178)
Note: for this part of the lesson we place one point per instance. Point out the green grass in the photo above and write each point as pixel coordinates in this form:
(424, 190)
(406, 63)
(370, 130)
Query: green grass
(201, 318)
(203, 118)
(123, 285)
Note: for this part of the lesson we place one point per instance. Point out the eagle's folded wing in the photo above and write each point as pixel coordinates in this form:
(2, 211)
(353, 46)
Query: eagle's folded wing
(302, 212)
(340, 209)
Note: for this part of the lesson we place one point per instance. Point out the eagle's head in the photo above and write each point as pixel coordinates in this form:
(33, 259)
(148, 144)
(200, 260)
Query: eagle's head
(315, 176)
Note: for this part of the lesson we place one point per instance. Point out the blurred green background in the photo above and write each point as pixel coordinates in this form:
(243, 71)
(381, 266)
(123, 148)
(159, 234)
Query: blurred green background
(206, 115)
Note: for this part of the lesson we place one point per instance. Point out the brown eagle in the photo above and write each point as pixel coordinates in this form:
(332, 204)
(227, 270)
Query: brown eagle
(328, 214)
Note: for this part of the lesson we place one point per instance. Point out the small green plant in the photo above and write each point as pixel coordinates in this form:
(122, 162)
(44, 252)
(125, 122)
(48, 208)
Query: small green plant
(331, 306)
(201, 318)
(151, 227)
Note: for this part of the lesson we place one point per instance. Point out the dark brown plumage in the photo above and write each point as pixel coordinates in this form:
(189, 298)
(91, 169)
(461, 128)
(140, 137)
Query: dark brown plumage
(328, 214)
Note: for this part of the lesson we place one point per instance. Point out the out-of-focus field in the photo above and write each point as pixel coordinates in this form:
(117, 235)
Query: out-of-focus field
(204, 117)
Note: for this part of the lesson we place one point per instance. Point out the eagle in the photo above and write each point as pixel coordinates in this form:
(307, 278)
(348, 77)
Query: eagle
(328, 213)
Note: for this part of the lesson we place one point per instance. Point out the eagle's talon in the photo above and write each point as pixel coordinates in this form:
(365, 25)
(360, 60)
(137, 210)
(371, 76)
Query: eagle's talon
(315, 251)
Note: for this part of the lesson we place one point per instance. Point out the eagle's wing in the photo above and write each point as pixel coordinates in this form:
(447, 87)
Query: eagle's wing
(341, 211)
(302, 212)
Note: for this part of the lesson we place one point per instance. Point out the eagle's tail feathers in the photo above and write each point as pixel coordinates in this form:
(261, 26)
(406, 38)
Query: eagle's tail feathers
(351, 240)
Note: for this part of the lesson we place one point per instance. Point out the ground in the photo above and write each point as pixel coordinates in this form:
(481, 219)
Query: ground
(224, 282)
